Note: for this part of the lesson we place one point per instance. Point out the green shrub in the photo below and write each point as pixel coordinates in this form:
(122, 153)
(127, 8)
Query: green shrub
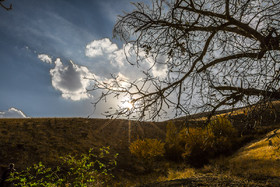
(83, 170)
(174, 142)
(147, 149)
(37, 175)
(89, 168)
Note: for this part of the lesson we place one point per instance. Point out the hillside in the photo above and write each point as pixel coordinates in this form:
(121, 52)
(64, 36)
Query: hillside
(28, 141)
(255, 164)
(259, 160)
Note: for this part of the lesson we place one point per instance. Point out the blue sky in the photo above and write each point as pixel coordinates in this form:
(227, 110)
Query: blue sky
(46, 48)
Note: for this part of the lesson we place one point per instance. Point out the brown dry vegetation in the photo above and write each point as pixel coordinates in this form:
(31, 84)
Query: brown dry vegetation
(260, 159)
(28, 141)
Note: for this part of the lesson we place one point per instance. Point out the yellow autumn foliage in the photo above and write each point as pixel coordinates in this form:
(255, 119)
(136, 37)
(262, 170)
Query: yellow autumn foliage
(147, 149)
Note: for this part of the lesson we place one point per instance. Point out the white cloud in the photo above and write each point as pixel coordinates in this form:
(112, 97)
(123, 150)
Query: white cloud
(107, 58)
(120, 78)
(100, 47)
(45, 58)
(12, 113)
(107, 51)
(115, 58)
(160, 71)
(71, 80)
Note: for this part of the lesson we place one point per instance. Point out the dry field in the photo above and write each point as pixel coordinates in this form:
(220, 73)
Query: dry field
(28, 141)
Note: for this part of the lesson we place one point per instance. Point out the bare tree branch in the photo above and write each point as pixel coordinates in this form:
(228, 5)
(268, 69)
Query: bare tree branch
(5, 7)
(217, 54)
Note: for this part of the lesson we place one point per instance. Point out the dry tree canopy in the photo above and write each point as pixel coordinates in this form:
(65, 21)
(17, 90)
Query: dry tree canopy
(214, 53)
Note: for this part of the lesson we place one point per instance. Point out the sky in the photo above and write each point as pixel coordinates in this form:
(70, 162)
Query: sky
(48, 47)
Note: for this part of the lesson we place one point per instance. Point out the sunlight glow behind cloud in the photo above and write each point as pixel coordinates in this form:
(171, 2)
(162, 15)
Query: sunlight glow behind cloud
(73, 80)
(39, 32)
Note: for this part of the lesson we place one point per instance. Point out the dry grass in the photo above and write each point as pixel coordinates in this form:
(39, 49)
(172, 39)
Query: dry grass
(28, 141)
(260, 159)
(178, 174)
(257, 164)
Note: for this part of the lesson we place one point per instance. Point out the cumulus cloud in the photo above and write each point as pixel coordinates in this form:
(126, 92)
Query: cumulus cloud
(12, 113)
(45, 58)
(107, 51)
(71, 80)
(110, 55)
(100, 47)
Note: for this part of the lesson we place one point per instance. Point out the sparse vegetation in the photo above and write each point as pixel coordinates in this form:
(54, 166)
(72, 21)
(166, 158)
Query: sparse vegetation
(177, 174)
(46, 140)
(83, 170)
(258, 160)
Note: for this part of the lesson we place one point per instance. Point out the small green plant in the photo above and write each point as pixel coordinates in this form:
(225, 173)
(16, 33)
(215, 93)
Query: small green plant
(89, 168)
(86, 169)
(37, 175)
(147, 149)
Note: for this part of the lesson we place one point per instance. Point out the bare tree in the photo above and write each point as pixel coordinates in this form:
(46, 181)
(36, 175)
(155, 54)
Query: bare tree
(5, 7)
(217, 54)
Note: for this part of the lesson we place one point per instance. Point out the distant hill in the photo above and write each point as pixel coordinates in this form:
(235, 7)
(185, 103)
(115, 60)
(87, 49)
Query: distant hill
(31, 140)
(28, 141)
